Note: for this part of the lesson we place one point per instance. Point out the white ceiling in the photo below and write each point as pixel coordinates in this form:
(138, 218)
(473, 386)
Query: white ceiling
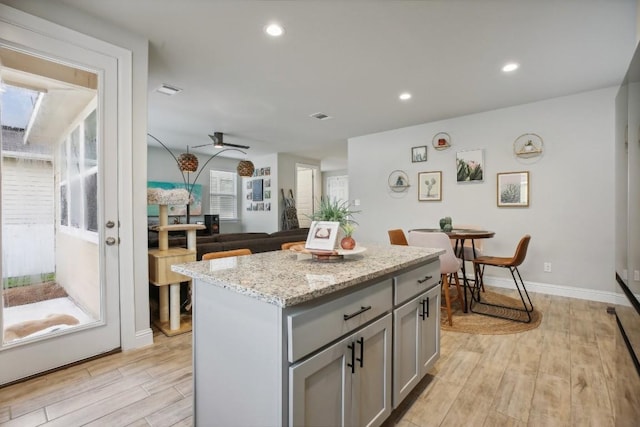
(351, 60)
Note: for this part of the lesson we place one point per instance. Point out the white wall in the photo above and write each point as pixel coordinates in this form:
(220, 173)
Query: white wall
(571, 213)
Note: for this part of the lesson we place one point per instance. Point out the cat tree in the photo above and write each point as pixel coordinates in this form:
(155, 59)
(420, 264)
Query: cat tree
(170, 321)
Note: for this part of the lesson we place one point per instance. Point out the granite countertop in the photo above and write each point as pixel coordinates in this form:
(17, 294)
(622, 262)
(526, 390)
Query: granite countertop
(285, 278)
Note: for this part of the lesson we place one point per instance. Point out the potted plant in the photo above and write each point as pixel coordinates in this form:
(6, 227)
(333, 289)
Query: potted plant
(336, 211)
(347, 241)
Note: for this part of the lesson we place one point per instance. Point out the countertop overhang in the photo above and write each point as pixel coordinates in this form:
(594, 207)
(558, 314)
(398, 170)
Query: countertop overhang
(285, 278)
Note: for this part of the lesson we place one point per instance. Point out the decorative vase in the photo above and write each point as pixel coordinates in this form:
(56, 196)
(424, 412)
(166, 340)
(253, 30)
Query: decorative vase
(443, 222)
(347, 243)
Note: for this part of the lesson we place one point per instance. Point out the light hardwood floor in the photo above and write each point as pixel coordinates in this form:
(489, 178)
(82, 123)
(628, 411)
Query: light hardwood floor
(560, 374)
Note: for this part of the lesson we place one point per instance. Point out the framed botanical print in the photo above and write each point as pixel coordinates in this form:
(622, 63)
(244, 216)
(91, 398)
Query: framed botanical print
(513, 189)
(430, 186)
(470, 166)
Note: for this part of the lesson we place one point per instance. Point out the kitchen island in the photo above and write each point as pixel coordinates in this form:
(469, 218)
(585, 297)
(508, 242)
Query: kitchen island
(281, 339)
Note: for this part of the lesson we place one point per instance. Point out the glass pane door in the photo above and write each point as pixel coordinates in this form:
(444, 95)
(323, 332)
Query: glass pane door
(54, 261)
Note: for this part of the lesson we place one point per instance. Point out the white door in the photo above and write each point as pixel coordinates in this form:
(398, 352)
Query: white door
(59, 203)
(307, 192)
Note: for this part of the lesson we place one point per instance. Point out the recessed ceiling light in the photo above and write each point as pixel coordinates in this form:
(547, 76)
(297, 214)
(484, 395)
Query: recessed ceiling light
(405, 96)
(168, 89)
(274, 30)
(511, 66)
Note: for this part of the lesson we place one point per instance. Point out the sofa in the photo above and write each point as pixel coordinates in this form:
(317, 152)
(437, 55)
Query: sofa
(256, 242)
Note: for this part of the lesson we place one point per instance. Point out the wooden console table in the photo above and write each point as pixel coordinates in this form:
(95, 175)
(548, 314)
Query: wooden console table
(170, 322)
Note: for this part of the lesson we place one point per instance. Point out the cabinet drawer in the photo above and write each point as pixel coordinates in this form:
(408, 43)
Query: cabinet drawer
(413, 282)
(310, 329)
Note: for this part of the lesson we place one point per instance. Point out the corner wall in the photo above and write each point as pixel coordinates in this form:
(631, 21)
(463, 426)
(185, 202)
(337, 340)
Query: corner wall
(571, 213)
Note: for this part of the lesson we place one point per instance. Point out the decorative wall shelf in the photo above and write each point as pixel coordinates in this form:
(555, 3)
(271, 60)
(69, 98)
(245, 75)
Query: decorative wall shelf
(441, 141)
(528, 145)
(398, 181)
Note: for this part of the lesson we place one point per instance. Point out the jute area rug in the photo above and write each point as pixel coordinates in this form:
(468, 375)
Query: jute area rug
(473, 323)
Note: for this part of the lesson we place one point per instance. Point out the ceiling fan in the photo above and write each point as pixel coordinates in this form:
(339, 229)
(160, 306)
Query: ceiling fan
(219, 143)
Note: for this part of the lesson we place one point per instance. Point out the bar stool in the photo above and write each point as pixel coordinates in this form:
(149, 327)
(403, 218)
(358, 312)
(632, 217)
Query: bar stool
(225, 254)
(397, 237)
(449, 264)
(512, 264)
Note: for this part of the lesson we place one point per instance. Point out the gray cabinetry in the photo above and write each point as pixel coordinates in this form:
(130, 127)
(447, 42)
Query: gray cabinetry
(306, 343)
(348, 383)
(416, 341)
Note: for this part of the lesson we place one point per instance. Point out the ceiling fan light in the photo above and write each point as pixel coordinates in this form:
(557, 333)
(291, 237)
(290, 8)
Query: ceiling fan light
(188, 162)
(245, 168)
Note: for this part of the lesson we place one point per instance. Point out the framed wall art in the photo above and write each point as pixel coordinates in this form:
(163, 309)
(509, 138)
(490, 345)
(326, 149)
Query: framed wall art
(513, 189)
(430, 186)
(470, 166)
(257, 190)
(419, 154)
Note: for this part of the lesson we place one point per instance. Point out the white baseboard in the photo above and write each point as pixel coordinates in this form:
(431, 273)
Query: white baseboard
(549, 289)
(142, 338)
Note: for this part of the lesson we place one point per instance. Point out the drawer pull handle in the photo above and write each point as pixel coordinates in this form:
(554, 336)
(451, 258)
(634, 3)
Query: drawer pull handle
(425, 279)
(362, 310)
(352, 365)
(361, 358)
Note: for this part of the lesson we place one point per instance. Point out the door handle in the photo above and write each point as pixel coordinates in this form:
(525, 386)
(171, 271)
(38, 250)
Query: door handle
(110, 241)
(361, 358)
(352, 365)
(422, 314)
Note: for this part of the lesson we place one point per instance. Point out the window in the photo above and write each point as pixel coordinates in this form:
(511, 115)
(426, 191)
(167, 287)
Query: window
(79, 178)
(223, 194)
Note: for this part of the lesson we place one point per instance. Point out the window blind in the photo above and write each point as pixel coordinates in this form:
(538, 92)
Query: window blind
(223, 194)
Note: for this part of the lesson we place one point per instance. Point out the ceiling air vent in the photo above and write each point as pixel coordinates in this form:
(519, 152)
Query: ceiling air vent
(168, 89)
(320, 116)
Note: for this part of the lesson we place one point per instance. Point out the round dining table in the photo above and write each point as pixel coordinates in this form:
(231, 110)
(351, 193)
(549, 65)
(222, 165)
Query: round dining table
(461, 235)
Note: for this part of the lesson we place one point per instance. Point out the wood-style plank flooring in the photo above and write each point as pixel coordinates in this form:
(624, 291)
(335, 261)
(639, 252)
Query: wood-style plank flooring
(560, 374)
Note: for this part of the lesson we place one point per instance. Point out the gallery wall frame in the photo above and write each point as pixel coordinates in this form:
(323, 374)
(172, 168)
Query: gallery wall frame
(419, 154)
(430, 186)
(470, 166)
(513, 189)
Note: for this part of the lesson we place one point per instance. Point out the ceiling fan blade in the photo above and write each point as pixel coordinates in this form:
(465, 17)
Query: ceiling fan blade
(201, 145)
(226, 144)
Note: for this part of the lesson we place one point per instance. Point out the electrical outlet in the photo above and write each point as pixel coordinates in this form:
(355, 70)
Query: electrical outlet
(636, 275)
(547, 267)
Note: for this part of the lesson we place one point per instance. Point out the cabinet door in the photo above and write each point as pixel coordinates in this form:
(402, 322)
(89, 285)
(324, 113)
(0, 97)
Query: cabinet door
(372, 380)
(406, 357)
(320, 388)
(416, 341)
(430, 331)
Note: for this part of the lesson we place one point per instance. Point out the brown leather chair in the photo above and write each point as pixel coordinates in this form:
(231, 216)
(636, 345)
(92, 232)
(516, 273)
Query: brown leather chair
(511, 263)
(286, 246)
(397, 237)
(224, 254)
